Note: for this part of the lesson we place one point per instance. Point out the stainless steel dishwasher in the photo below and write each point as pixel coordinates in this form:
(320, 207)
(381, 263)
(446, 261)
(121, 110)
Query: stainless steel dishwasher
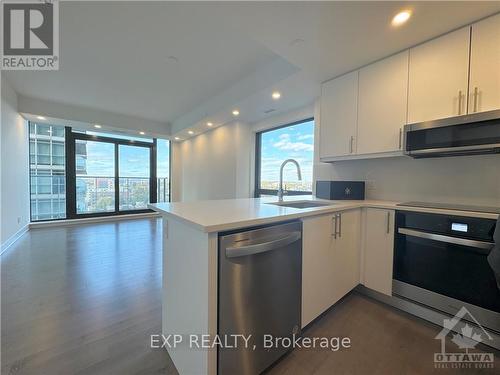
(260, 275)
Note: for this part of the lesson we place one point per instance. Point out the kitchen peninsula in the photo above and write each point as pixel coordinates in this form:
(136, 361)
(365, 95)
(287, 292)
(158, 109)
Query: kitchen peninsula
(190, 257)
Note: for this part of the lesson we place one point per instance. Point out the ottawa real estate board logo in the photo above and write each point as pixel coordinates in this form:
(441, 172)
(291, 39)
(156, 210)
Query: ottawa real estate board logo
(465, 340)
(30, 35)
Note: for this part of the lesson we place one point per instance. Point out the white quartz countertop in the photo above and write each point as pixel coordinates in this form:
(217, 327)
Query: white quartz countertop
(227, 214)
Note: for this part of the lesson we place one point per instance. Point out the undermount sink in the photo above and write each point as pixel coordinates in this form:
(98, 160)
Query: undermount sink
(302, 204)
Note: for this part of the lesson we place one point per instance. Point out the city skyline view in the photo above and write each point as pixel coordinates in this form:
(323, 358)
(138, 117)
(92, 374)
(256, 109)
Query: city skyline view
(296, 142)
(291, 142)
(95, 173)
(134, 160)
(96, 168)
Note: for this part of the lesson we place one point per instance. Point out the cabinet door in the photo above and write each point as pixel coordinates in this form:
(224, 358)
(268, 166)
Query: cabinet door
(378, 250)
(484, 90)
(317, 266)
(338, 116)
(346, 269)
(438, 76)
(383, 93)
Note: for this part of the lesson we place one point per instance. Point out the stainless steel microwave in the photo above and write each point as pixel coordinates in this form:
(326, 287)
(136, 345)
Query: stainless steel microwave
(474, 134)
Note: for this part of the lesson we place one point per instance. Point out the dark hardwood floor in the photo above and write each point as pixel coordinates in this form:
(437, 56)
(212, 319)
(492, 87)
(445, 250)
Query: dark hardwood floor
(85, 300)
(384, 341)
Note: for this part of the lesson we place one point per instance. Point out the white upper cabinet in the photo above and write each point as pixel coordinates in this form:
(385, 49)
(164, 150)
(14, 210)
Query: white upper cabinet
(383, 93)
(363, 112)
(339, 102)
(438, 77)
(484, 89)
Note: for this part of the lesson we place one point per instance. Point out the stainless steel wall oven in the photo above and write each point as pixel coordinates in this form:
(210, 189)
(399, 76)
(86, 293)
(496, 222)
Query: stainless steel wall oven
(440, 261)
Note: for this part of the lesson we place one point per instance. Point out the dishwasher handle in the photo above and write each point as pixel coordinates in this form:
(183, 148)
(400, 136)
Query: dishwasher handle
(262, 247)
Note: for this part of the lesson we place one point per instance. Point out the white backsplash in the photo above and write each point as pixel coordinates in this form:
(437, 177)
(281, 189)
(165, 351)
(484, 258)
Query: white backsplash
(471, 180)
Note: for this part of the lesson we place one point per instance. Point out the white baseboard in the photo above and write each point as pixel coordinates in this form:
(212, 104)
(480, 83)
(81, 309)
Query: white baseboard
(55, 223)
(14, 238)
(60, 223)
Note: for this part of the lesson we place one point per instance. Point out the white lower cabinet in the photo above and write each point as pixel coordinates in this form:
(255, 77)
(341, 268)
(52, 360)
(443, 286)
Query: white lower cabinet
(317, 266)
(347, 250)
(330, 260)
(378, 250)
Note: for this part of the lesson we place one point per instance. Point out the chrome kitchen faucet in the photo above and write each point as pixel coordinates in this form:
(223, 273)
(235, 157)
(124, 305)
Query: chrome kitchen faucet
(299, 176)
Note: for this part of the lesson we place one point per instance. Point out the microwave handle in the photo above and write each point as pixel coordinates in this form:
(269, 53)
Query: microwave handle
(482, 246)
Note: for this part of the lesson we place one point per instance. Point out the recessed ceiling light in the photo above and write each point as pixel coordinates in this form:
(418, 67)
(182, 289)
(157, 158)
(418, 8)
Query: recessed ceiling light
(401, 18)
(297, 42)
(41, 118)
(209, 124)
(276, 95)
(177, 138)
(142, 133)
(190, 132)
(97, 126)
(172, 59)
(236, 112)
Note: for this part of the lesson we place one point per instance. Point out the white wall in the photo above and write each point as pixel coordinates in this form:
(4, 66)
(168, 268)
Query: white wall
(220, 164)
(14, 166)
(471, 180)
(176, 172)
(214, 165)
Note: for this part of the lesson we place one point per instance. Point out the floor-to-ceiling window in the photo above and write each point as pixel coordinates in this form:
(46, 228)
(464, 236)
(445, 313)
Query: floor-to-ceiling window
(47, 171)
(113, 174)
(292, 141)
(95, 176)
(82, 173)
(163, 170)
(135, 175)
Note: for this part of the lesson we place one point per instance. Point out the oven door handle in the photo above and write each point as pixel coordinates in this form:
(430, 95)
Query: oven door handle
(484, 246)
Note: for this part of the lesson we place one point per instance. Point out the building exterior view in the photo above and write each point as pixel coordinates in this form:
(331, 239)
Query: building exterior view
(47, 171)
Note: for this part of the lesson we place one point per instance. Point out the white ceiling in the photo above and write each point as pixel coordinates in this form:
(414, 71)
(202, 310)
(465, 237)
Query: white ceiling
(341, 36)
(115, 55)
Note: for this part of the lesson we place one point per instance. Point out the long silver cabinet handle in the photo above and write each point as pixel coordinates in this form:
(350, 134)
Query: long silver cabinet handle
(388, 222)
(442, 238)
(256, 248)
(334, 226)
(476, 93)
(340, 225)
(460, 102)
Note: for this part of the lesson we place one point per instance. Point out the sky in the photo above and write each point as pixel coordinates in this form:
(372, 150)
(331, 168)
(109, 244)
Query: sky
(133, 160)
(295, 142)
